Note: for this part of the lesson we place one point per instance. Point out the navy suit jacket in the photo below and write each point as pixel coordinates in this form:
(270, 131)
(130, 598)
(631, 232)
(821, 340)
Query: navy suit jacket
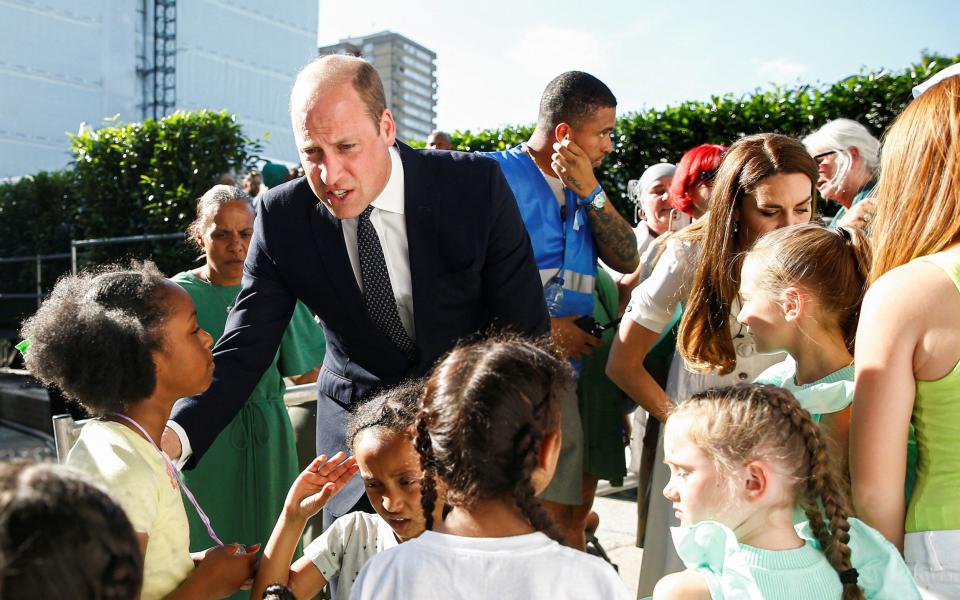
(472, 269)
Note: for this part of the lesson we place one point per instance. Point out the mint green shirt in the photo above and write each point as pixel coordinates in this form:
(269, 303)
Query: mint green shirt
(736, 571)
(829, 394)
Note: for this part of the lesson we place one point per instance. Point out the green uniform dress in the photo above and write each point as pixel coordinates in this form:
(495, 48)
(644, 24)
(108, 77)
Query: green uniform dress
(602, 403)
(243, 479)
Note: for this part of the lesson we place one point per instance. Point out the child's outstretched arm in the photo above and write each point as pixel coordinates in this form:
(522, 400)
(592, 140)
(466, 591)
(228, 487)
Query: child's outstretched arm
(219, 572)
(312, 489)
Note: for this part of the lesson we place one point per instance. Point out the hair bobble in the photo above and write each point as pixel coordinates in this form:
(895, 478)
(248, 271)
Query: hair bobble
(845, 234)
(849, 576)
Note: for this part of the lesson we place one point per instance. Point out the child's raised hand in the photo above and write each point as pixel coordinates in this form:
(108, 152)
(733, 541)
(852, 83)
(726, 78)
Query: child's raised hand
(318, 483)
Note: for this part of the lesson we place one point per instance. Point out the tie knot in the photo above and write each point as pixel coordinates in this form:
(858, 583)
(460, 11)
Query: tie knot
(365, 215)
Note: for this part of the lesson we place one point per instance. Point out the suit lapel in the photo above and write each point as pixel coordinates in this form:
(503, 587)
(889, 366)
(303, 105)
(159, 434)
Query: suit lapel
(419, 213)
(328, 237)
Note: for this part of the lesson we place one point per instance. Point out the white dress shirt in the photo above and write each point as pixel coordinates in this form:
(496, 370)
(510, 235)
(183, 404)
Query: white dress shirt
(391, 227)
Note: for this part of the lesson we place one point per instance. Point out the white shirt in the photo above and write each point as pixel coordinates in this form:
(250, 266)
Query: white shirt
(450, 567)
(391, 227)
(342, 550)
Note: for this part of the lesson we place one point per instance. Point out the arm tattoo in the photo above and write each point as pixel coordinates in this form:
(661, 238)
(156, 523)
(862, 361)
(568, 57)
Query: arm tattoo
(616, 242)
(576, 185)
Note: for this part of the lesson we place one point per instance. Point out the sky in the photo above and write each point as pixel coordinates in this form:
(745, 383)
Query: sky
(495, 57)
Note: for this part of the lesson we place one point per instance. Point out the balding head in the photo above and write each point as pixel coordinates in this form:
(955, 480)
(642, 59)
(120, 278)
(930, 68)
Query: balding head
(439, 140)
(328, 72)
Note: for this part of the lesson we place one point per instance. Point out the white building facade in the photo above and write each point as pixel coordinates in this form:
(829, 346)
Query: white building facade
(64, 62)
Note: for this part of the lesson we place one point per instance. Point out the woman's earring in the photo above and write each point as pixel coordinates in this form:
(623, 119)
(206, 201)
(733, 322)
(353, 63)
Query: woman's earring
(736, 226)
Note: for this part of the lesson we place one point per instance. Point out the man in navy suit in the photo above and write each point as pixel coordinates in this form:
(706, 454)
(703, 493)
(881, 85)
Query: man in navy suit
(400, 252)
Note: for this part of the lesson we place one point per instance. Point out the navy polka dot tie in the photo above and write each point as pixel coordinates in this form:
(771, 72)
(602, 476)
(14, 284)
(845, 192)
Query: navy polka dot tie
(377, 291)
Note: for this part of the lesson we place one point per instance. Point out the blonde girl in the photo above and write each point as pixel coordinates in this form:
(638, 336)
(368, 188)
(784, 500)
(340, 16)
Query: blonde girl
(741, 459)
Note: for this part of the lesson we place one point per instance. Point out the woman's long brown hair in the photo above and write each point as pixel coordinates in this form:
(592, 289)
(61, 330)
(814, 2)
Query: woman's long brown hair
(704, 339)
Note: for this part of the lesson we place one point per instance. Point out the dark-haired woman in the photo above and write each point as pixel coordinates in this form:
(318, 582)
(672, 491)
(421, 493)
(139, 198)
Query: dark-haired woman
(765, 182)
(243, 479)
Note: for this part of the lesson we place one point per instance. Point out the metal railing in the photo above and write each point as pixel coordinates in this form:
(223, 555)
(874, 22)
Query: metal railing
(75, 245)
(37, 259)
(126, 239)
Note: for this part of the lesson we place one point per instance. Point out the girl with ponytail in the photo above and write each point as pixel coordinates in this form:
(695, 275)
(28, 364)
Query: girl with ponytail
(488, 436)
(742, 458)
(801, 288)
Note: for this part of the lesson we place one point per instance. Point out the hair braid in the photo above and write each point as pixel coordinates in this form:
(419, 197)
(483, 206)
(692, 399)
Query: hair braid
(822, 485)
(428, 486)
(528, 443)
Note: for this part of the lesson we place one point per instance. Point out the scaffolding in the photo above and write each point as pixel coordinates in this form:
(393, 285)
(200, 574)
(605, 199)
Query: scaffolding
(159, 78)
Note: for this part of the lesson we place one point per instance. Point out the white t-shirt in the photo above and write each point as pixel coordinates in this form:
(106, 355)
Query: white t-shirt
(137, 478)
(347, 545)
(450, 567)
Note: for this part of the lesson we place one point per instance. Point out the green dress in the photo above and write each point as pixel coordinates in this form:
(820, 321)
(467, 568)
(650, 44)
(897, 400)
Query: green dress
(243, 478)
(602, 403)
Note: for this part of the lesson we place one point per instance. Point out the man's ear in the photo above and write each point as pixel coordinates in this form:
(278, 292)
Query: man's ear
(756, 479)
(388, 129)
(561, 131)
(793, 303)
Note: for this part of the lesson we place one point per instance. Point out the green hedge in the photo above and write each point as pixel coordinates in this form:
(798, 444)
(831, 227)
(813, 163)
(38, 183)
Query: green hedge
(650, 136)
(125, 179)
(145, 177)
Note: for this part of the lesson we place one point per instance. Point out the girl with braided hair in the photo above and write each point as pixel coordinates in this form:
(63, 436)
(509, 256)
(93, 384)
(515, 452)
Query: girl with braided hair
(380, 434)
(741, 459)
(488, 434)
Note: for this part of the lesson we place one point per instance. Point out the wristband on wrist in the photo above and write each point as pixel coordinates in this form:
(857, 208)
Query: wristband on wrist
(595, 200)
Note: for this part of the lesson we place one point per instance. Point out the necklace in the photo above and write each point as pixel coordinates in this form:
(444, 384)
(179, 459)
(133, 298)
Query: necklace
(526, 150)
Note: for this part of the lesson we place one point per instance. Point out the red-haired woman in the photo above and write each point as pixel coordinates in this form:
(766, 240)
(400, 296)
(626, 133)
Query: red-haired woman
(690, 191)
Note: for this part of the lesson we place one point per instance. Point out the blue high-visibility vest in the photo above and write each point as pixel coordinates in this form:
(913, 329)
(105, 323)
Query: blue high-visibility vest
(557, 243)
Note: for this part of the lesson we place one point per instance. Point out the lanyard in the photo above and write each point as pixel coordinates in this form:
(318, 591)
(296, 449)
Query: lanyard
(176, 475)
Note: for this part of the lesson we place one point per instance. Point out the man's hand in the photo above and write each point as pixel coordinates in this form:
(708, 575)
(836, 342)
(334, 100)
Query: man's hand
(170, 444)
(572, 341)
(859, 216)
(574, 168)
